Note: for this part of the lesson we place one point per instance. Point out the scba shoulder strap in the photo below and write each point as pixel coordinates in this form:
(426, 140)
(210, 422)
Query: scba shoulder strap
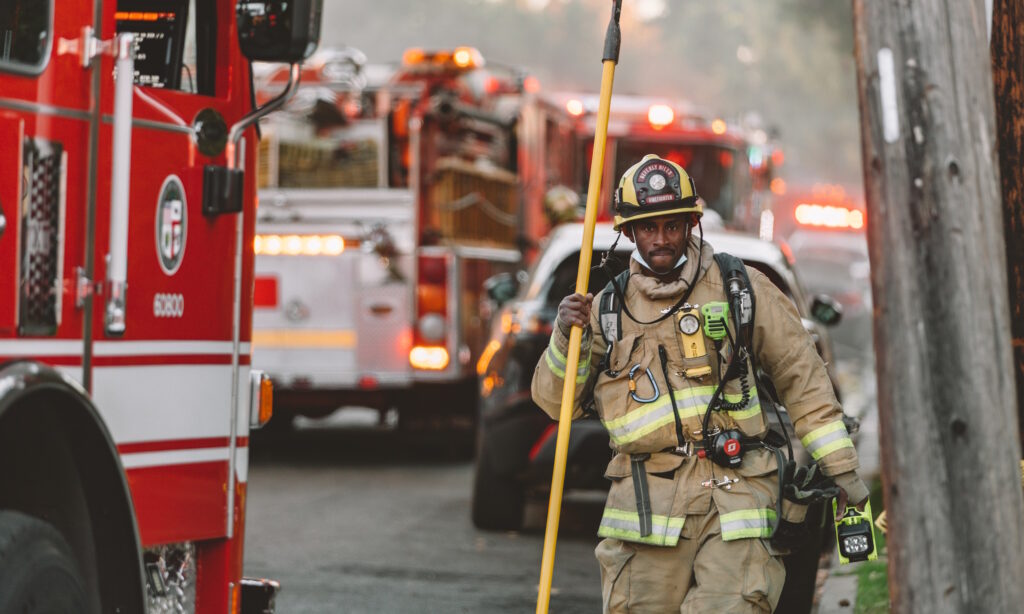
(737, 287)
(610, 309)
(734, 275)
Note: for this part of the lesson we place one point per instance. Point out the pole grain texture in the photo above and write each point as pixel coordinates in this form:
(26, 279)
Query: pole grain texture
(1008, 74)
(946, 390)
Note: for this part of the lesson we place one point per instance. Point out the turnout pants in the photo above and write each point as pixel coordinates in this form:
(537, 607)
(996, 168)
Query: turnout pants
(701, 574)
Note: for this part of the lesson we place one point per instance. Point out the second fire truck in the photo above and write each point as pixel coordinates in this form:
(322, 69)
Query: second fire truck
(389, 198)
(731, 163)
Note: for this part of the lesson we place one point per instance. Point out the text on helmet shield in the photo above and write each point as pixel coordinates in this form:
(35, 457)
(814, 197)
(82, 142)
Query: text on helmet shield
(655, 166)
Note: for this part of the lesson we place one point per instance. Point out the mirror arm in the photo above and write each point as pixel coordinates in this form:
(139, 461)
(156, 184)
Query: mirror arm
(239, 127)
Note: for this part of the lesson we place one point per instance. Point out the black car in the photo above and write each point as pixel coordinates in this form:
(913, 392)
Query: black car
(516, 439)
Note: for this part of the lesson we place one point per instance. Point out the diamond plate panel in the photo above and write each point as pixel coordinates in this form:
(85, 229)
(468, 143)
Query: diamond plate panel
(39, 285)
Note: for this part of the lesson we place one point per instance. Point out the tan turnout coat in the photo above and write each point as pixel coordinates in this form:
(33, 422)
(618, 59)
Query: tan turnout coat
(678, 485)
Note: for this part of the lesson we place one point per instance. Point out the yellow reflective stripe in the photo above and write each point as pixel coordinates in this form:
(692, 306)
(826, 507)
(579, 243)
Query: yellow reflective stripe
(743, 414)
(651, 417)
(827, 439)
(625, 525)
(818, 433)
(554, 350)
(557, 364)
(747, 523)
(827, 449)
(684, 411)
(557, 370)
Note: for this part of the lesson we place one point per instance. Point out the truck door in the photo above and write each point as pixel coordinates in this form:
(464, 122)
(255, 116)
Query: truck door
(163, 351)
(45, 120)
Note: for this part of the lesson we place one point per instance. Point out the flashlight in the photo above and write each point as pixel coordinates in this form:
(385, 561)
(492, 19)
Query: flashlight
(855, 534)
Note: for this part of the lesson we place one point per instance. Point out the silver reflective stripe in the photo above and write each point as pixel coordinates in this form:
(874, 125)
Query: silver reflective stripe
(747, 523)
(557, 361)
(827, 439)
(625, 525)
(651, 416)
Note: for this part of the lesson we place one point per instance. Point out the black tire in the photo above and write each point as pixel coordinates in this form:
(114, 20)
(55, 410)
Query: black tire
(498, 501)
(38, 573)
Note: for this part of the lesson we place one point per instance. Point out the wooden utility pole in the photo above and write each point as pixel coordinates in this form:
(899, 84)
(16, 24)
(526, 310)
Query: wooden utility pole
(1008, 74)
(946, 393)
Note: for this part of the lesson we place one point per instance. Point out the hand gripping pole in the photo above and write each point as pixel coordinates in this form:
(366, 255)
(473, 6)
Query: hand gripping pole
(610, 58)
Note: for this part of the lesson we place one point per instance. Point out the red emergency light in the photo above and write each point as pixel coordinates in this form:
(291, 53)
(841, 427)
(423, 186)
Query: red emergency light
(660, 115)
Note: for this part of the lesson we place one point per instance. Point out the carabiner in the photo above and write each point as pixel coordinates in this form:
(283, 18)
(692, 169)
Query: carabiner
(632, 385)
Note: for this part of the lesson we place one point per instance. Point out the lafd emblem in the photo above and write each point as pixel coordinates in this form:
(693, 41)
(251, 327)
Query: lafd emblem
(171, 224)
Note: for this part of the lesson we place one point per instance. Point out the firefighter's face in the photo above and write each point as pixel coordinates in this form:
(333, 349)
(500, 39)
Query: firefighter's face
(661, 240)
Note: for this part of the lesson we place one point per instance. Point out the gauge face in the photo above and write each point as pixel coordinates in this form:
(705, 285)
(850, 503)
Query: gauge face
(657, 182)
(689, 324)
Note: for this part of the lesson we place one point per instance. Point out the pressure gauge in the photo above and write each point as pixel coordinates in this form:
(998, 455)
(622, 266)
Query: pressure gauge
(689, 324)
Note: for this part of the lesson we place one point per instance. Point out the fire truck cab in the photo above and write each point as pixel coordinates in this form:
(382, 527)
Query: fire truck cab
(731, 163)
(389, 196)
(127, 190)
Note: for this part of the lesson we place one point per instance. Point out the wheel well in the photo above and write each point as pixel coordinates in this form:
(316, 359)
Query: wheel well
(65, 471)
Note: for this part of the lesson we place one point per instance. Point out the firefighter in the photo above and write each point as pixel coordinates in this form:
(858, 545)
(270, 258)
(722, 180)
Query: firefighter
(686, 527)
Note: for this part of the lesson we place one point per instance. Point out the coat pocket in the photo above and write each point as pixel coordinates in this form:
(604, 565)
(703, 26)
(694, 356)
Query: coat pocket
(748, 509)
(631, 398)
(622, 515)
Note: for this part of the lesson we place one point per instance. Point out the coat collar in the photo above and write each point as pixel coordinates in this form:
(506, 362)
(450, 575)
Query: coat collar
(652, 288)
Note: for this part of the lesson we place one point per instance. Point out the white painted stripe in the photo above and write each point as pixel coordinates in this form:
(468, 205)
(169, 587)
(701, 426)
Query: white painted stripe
(64, 347)
(161, 348)
(173, 457)
(146, 403)
(40, 347)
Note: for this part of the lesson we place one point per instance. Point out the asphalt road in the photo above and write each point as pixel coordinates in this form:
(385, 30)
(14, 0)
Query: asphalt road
(373, 521)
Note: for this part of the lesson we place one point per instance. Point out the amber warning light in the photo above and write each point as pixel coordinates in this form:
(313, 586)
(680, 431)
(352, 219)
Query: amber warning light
(829, 216)
(300, 245)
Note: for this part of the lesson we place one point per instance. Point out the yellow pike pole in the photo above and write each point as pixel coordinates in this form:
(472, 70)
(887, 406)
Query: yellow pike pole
(612, 39)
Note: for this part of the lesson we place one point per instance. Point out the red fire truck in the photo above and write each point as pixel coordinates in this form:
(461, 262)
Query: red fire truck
(732, 163)
(127, 193)
(389, 197)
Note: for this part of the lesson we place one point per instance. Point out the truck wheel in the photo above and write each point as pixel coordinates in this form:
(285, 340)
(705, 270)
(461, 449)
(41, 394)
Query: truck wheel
(38, 574)
(498, 501)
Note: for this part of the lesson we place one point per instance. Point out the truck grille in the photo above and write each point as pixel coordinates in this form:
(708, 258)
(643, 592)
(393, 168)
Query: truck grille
(42, 233)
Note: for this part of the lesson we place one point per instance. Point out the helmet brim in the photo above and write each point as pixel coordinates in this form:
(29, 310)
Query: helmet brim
(619, 220)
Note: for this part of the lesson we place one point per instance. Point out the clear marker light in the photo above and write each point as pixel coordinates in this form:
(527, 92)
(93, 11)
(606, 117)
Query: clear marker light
(298, 245)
